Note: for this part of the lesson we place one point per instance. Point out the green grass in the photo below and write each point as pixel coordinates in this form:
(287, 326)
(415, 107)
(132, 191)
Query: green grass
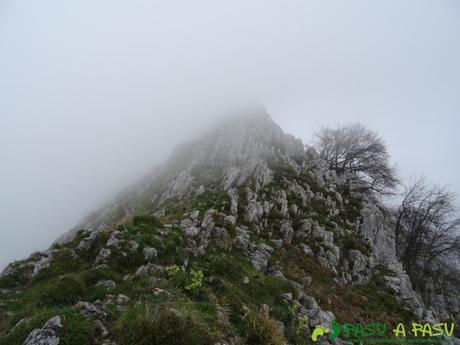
(152, 324)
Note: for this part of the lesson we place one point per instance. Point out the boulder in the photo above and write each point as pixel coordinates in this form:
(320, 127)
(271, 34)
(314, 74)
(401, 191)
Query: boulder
(47, 335)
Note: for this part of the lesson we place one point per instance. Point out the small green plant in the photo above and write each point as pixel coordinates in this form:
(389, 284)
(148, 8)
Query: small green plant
(172, 271)
(302, 325)
(196, 280)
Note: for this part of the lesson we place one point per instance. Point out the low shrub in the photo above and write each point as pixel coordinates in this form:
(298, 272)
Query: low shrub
(150, 324)
(65, 290)
(264, 331)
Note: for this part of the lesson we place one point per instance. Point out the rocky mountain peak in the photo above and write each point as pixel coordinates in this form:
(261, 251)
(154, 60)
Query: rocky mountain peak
(241, 237)
(240, 149)
(237, 138)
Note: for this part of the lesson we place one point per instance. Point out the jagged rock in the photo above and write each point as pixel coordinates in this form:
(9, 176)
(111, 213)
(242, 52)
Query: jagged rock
(160, 213)
(106, 284)
(113, 241)
(47, 334)
(360, 266)
(88, 242)
(23, 270)
(104, 255)
(93, 311)
(200, 190)
(242, 238)
(43, 263)
(326, 236)
(221, 235)
(293, 209)
(230, 220)
(306, 249)
(149, 269)
(234, 195)
(287, 231)
(187, 222)
(192, 231)
(208, 220)
(194, 215)
(122, 299)
(133, 246)
(149, 253)
(253, 212)
(287, 296)
(303, 193)
(305, 228)
(281, 200)
(277, 243)
(260, 257)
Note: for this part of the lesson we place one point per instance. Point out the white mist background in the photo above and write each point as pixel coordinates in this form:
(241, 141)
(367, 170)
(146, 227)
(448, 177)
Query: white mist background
(95, 93)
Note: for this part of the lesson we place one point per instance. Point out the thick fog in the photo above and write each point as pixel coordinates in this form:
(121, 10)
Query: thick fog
(95, 93)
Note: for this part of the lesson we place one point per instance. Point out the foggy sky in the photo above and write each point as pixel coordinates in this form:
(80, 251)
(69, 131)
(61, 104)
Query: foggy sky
(95, 93)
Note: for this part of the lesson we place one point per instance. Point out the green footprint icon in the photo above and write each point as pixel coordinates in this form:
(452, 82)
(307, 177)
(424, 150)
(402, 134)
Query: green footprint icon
(319, 331)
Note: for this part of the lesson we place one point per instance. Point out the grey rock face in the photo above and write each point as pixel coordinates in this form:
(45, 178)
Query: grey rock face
(254, 211)
(93, 311)
(114, 240)
(88, 242)
(47, 334)
(133, 246)
(104, 255)
(242, 238)
(326, 236)
(361, 269)
(106, 284)
(287, 231)
(122, 299)
(234, 195)
(149, 253)
(149, 269)
(43, 263)
(260, 257)
(230, 220)
(306, 249)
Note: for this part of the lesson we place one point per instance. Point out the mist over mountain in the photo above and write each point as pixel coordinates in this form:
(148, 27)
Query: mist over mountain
(243, 236)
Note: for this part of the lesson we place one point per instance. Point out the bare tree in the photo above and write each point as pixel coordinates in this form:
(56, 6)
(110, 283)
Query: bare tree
(358, 150)
(427, 228)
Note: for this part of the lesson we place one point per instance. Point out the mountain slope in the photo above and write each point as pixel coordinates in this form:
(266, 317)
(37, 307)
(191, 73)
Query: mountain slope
(241, 237)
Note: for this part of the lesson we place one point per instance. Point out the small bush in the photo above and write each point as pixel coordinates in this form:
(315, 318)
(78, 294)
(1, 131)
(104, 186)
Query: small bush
(145, 220)
(196, 281)
(65, 290)
(158, 325)
(77, 329)
(264, 331)
(172, 270)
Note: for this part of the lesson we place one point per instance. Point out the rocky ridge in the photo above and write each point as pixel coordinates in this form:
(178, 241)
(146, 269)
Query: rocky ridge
(243, 234)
